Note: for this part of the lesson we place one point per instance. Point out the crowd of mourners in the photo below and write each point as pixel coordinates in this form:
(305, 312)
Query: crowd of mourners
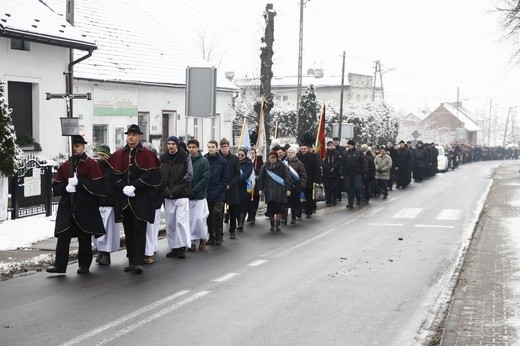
(201, 193)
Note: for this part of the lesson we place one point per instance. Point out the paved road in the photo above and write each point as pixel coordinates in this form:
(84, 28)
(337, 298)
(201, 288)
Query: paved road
(381, 274)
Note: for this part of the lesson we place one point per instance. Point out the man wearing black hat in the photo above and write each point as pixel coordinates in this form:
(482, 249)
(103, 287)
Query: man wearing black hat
(80, 187)
(352, 168)
(137, 179)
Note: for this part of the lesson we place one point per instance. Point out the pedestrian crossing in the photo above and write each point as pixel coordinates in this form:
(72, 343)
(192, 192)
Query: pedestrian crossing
(445, 214)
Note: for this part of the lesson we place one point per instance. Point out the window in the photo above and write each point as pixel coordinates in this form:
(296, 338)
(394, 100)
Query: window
(142, 122)
(99, 135)
(282, 98)
(119, 136)
(19, 44)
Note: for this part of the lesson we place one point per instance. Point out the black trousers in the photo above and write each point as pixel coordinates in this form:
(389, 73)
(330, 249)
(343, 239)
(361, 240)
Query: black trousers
(135, 234)
(63, 247)
(233, 215)
(331, 186)
(215, 219)
(309, 205)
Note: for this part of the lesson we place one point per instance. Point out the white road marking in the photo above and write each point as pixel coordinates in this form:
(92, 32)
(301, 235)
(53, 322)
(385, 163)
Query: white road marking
(225, 277)
(433, 226)
(154, 316)
(125, 318)
(256, 263)
(449, 214)
(407, 213)
(385, 224)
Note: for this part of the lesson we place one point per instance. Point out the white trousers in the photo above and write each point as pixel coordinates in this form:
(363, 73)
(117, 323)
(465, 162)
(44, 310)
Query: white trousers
(111, 240)
(177, 216)
(152, 234)
(198, 214)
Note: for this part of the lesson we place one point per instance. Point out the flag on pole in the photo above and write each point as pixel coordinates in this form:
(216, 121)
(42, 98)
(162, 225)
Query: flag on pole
(244, 141)
(261, 141)
(321, 148)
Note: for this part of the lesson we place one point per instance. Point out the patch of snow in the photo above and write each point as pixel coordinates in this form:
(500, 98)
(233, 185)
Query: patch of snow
(23, 232)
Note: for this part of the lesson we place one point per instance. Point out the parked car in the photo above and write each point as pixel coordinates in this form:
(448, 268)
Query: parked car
(442, 160)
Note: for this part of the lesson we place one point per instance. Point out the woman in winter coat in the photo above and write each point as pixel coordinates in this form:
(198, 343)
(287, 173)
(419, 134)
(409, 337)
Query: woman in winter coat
(274, 184)
(299, 179)
(383, 163)
(245, 186)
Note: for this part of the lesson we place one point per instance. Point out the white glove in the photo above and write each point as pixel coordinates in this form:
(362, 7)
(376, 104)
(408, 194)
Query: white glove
(70, 188)
(129, 190)
(74, 180)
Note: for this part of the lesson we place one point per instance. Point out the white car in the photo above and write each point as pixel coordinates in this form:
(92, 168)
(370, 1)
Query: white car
(442, 159)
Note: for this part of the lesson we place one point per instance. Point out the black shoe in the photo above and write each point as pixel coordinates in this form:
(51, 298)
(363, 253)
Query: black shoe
(218, 242)
(232, 235)
(171, 254)
(278, 227)
(82, 270)
(293, 221)
(129, 268)
(350, 206)
(53, 269)
(99, 256)
(210, 242)
(308, 216)
(329, 204)
(384, 197)
(138, 269)
(252, 222)
(181, 252)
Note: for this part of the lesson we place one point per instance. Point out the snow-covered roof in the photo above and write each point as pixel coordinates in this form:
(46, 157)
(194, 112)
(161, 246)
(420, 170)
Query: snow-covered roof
(132, 46)
(307, 80)
(463, 115)
(32, 20)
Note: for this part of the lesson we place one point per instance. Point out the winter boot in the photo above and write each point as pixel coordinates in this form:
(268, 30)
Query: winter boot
(99, 256)
(105, 259)
(241, 221)
(278, 227)
(272, 226)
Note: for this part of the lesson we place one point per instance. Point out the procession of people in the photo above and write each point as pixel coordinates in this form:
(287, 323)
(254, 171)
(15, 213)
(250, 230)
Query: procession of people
(199, 193)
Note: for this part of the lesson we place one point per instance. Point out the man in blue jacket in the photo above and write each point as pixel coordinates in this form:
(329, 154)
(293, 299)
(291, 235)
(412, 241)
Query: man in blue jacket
(219, 180)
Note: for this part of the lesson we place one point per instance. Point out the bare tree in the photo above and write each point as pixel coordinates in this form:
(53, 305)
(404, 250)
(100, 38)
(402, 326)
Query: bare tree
(510, 19)
(207, 44)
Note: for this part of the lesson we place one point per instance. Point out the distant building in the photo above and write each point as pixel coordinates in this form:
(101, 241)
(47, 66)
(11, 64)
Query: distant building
(407, 125)
(451, 123)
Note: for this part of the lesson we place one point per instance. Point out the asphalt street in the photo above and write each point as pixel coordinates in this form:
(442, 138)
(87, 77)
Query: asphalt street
(378, 274)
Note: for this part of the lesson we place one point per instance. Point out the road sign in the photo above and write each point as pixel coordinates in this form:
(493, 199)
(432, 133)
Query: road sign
(415, 134)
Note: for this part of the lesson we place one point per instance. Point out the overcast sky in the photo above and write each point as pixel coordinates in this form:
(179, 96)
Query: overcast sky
(428, 48)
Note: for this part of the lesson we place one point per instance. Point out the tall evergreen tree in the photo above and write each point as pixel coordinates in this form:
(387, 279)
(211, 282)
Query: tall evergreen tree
(10, 152)
(307, 113)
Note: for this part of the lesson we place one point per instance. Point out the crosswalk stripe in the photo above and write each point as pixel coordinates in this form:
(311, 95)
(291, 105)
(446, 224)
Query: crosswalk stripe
(408, 213)
(449, 214)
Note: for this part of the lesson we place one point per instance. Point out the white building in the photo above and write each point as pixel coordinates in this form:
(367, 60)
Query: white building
(136, 75)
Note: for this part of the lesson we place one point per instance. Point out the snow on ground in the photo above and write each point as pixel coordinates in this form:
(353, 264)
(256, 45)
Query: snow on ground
(23, 232)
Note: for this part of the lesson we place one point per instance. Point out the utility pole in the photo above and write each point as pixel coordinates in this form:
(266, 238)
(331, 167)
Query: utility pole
(489, 124)
(300, 56)
(377, 71)
(341, 98)
(457, 102)
(507, 123)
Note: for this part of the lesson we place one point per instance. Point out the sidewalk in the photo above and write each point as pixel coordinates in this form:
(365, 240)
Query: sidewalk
(485, 307)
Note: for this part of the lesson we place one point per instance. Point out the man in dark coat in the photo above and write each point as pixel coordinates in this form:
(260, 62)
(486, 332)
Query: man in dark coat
(403, 166)
(392, 151)
(219, 180)
(312, 164)
(330, 167)
(420, 159)
(341, 183)
(79, 182)
(137, 179)
(232, 197)
(353, 167)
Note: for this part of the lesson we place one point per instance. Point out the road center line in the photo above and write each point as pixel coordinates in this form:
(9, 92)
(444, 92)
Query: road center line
(225, 277)
(154, 316)
(256, 263)
(125, 318)
(385, 224)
